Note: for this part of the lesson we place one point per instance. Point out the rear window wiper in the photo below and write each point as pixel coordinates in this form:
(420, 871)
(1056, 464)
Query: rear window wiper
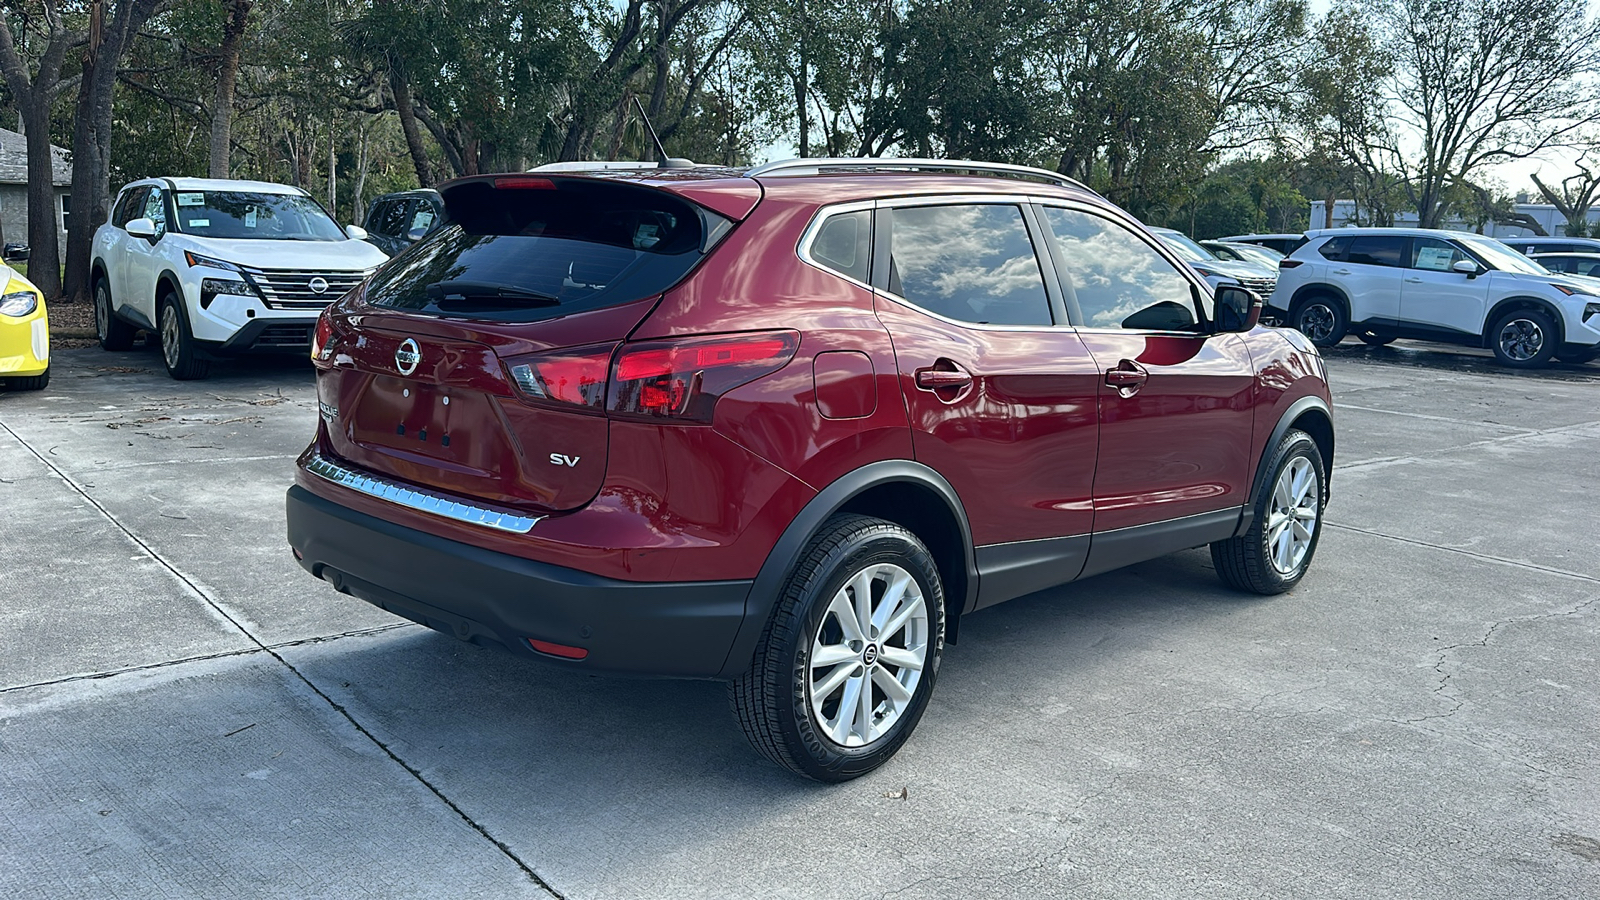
(488, 290)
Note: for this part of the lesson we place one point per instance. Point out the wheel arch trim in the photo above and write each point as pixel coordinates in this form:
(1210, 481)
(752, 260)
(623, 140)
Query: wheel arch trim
(1312, 405)
(781, 560)
(1501, 307)
(1306, 291)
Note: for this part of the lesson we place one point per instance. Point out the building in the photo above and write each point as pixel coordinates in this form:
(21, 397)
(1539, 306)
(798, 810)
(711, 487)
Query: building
(14, 189)
(1553, 222)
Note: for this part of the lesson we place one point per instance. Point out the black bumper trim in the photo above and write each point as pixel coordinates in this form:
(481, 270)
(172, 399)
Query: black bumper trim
(679, 629)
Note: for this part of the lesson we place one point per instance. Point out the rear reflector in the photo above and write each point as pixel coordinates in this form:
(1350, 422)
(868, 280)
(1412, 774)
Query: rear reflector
(524, 183)
(561, 650)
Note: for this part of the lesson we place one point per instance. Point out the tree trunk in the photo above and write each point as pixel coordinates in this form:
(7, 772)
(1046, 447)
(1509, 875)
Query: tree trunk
(1327, 209)
(333, 169)
(43, 246)
(358, 211)
(401, 90)
(227, 75)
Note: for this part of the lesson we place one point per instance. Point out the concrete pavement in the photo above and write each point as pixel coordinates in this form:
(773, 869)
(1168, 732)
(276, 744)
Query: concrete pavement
(185, 713)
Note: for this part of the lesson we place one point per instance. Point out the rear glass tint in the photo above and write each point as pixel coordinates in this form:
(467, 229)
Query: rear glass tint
(528, 254)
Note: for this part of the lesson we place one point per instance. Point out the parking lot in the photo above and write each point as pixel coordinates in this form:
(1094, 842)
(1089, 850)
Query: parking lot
(185, 712)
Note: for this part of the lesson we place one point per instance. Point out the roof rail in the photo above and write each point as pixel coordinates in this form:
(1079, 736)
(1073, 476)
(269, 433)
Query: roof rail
(590, 165)
(865, 165)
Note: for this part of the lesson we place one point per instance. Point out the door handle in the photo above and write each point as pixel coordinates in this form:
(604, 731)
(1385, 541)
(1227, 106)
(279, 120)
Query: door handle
(1413, 281)
(1341, 271)
(1127, 377)
(939, 379)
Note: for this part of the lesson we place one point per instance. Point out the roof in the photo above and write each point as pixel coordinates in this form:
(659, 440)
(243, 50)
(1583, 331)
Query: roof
(1399, 232)
(1565, 254)
(221, 184)
(14, 161)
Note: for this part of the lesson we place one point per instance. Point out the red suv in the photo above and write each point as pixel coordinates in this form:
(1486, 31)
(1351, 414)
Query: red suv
(785, 427)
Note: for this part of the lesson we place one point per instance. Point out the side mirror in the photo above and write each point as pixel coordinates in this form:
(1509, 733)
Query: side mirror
(1466, 267)
(356, 232)
(142, 228)
(1238, 309)
(417, 233)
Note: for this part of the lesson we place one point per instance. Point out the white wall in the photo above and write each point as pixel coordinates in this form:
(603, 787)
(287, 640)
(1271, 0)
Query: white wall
(1555, 224)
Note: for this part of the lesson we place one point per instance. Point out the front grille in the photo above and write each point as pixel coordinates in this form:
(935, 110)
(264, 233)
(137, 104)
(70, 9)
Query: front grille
(284, 336)
(292, 288)
(1262, 286)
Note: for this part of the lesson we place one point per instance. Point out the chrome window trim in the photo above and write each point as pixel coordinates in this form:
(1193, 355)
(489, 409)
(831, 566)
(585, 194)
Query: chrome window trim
(803, 248)
(409, 498)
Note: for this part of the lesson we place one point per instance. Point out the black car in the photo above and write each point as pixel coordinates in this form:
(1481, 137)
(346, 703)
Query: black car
(1570, 263)
(1528, 246)
(396, 221)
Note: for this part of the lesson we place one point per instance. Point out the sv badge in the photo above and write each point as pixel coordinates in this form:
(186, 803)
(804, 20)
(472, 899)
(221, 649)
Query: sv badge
(561, 459)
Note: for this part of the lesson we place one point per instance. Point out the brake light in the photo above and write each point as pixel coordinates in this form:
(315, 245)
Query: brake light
(576, 376)
(1289, 263)
(683, 379)
(322, 339)
(524, 183)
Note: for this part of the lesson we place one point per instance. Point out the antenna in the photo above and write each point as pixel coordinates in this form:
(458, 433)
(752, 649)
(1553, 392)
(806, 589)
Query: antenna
(663, 161)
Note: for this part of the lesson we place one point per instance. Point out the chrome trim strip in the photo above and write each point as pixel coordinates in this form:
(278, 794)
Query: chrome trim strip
(419, 501)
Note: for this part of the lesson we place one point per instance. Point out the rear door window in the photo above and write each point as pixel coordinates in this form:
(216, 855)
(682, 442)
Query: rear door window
(530, 253)
(1335, 248)
(969, 262)
(1375, 250)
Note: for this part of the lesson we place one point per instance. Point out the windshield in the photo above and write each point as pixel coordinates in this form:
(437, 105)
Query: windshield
(240, 215)
(1501, 257)
(1187, 250)
(1264, 255)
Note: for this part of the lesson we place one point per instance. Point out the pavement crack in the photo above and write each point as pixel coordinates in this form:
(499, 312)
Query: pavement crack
(272, 650)
(1484, 557)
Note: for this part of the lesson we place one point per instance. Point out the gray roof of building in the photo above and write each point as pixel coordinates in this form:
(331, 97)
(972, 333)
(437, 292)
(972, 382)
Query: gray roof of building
(14, 160)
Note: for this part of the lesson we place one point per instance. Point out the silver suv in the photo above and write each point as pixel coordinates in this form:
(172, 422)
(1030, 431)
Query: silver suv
(1446, 286)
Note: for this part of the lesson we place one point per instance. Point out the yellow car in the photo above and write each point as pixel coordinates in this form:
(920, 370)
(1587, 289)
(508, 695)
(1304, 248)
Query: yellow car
(24, 334)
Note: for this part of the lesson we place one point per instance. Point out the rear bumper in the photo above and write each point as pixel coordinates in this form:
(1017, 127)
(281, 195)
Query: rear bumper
(682, 629)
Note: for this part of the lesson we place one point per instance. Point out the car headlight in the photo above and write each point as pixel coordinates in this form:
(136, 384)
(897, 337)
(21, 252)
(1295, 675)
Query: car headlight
(225, 286)
(195, 259)
(1571, 290)
(20, 304)
(1590, 310)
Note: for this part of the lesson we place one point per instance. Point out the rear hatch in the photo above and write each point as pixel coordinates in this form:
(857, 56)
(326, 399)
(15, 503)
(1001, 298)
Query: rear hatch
(476, 362)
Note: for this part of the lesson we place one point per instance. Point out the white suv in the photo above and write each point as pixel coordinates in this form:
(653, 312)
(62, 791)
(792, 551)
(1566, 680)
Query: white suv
(220, 267)
(1448, 286)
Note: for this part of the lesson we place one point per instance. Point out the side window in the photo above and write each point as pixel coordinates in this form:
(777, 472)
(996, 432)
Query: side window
(155, 209)
(131, 207)
(1589, 267)
(421, 221)
(844, 244)
(1335, 249)
(1375, 250)
(391, 222)
(973, 263)
(1434, 255)
(375, 215)
(1116, 279)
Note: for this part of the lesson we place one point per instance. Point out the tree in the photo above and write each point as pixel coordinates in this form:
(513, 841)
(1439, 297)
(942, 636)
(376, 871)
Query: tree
(1485, 81)
(34, 89)
(1574, 197)
(233, 30)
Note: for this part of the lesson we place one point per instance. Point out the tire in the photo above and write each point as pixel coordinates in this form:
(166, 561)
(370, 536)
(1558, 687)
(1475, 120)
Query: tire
(1524, 338)
(29, 382)
(114, 333)
(1320, 318)
(829, 739)
(1375, 340)
(1261, 560)
(177, 343)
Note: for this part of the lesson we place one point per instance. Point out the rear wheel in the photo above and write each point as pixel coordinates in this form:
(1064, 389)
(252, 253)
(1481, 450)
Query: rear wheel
(1320, 318)
(847, 663)
(177, 343)
(114, 333)
(1523, 338)
(1273, 555)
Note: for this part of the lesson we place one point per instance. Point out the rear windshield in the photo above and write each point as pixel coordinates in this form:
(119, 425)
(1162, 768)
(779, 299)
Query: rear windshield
(240, 215)
(520, 254)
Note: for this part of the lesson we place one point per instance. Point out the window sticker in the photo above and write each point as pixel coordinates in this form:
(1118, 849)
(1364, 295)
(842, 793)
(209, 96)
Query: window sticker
(1435, 258)
(199, 223)
(198, 199)
(250, 219)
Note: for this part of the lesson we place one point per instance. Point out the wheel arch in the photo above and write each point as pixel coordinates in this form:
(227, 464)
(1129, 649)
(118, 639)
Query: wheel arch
(169, 279)
(1307, 291)
(901, 491)
(1312, 415)
(1511, 304)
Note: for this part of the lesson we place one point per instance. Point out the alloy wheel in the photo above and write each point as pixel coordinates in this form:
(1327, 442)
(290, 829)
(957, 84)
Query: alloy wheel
(1521, 339)
(171, 334)
(1292, 523)
(102, 313)
(1316, 322)
(868, 655)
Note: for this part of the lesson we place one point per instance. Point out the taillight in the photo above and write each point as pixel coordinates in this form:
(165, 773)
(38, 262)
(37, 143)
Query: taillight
(1288, 263)
(683, 379)
(320, 341)
(575, 375)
